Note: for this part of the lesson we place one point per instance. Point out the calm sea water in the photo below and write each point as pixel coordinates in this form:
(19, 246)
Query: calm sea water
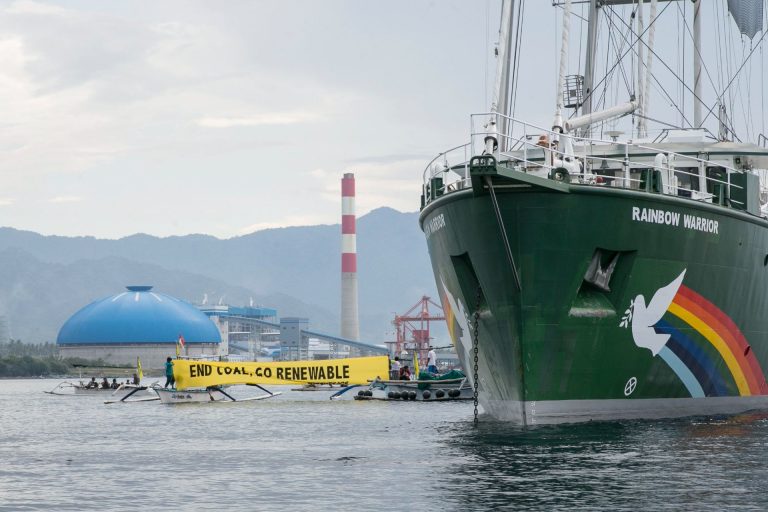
(301, 451)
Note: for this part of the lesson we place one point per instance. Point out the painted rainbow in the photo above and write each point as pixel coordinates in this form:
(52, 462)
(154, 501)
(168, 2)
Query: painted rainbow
(702, 373)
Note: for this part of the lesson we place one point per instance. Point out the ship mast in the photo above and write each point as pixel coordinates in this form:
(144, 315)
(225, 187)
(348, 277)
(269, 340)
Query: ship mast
(501, 102)
(588, 118)
(643, 67)
(640, 70)
(557, 125)
(648, 64)
(697, 104)
(589, 65)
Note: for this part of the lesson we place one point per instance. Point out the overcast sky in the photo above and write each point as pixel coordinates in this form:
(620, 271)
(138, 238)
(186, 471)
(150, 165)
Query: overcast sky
(177, 117)
(227, 117)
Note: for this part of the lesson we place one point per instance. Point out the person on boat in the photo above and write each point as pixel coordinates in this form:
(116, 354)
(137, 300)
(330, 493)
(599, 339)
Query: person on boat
(105, 383)
(136, 379)
(394, 372)
(115, 385)
(405, 373)
(431, 360)
(93, 384)
(169, 380)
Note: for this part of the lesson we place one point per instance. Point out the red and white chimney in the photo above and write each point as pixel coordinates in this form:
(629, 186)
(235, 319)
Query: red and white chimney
(350, 327)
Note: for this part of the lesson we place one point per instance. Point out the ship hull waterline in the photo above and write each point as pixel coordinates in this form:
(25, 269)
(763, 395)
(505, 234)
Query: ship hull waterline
(675, 328)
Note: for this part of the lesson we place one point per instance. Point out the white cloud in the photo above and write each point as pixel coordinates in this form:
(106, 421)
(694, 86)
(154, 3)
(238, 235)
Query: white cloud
(219, 122)
(276, 118)
(34, 8)
(320, 173)
(393, 183)
(4, 201)
(65, 199)
(290, 221)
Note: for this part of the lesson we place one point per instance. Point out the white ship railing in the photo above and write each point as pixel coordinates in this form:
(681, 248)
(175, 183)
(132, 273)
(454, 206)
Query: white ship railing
(455, 159)
(540, 151)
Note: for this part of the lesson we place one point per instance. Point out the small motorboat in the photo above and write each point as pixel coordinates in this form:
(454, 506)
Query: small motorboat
(451, 386)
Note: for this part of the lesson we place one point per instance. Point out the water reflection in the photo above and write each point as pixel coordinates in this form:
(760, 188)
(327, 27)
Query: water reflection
(303, 452)
(706, 463)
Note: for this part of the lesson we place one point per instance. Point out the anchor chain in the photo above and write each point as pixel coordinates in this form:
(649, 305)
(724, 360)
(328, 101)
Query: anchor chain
(475, 328)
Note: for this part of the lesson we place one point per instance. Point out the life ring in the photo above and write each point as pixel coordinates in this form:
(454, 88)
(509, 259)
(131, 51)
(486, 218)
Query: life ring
(560, 174)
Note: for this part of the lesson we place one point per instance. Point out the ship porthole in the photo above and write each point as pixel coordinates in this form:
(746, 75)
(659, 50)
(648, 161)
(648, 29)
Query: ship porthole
(630, 386)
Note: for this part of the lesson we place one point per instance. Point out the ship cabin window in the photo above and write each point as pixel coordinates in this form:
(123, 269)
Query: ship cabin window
(717, 184)
(687, 180)
(717, 173)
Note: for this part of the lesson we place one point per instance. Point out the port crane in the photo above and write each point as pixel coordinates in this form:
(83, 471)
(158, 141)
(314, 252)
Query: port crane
(412, 328)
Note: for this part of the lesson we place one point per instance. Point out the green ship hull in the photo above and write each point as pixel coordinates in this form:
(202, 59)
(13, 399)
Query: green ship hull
(597, 303)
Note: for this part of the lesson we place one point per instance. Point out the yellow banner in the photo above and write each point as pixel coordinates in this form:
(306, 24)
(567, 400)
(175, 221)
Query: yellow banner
(202, 374)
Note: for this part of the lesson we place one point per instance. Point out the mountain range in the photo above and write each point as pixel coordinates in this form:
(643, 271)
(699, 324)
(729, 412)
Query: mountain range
(296, 270)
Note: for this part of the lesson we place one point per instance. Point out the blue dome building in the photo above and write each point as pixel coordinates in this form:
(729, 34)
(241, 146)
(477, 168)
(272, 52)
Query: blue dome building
(138, 323)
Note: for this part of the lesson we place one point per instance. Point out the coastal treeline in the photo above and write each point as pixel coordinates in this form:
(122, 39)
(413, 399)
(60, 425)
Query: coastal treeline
(18, 348)
(18, 359)
(28, 366)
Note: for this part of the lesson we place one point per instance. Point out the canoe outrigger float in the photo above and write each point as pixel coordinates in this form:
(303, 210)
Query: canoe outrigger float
(127, 397)
(312, 386)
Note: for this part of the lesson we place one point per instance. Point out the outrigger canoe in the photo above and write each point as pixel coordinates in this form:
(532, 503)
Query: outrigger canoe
(209, 394)
(81, 388)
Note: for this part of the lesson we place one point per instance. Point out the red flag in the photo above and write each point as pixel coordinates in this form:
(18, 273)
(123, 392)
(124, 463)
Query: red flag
(181, 341)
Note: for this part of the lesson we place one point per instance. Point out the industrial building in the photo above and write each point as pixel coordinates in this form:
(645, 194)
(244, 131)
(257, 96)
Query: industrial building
(256, 334)
(249, 331)
(138, 323)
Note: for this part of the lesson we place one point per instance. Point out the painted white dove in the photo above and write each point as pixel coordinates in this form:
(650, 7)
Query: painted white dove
(645, 317)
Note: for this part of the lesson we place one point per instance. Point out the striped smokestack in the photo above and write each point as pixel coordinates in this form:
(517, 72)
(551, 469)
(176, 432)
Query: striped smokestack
(350, 328)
